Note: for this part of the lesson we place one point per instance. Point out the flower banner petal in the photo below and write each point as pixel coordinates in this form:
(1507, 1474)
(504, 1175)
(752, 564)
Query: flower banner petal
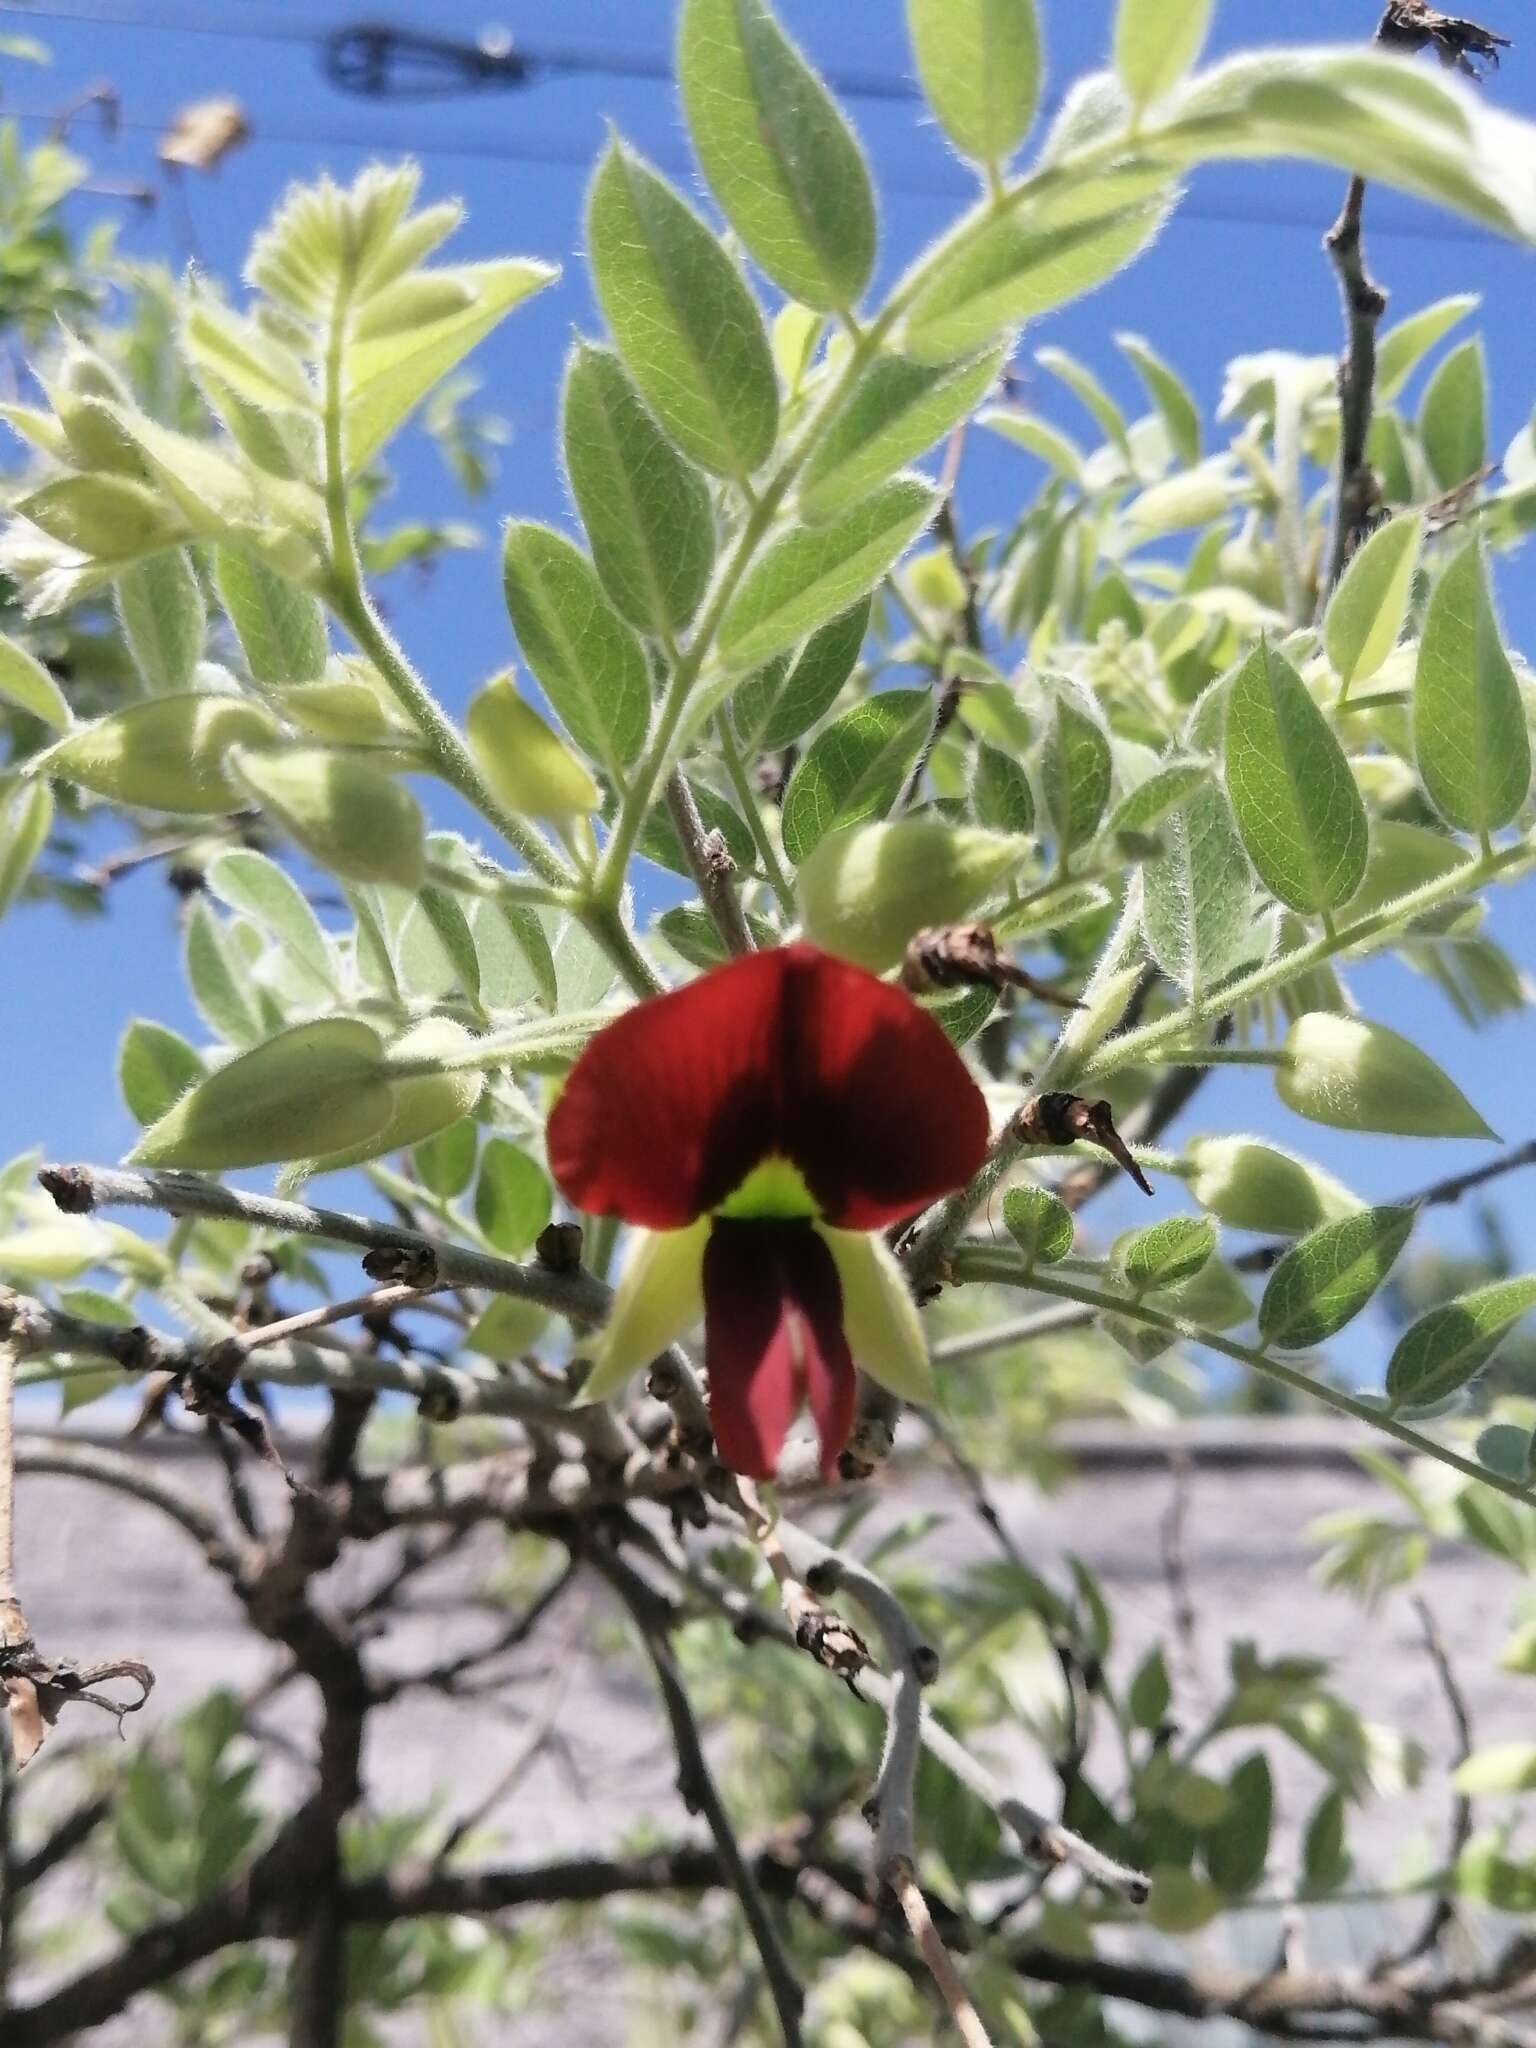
(773, 1334)
(673, 1103)
(879, 1112)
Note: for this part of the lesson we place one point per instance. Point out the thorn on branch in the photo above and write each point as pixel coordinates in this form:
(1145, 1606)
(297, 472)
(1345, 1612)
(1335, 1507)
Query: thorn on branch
(1059, 1119)
(967, 955)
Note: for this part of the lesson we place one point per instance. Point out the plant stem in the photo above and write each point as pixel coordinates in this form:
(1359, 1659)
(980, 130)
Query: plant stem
(975, 1266)
(752, 811)
(518, 1046)
(13, 1623)
(1133, 1048)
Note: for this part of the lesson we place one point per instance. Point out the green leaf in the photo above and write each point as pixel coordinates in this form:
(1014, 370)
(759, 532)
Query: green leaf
(1054, 449)
(1179, 1901)
(1325, 1861)
(512, 1197)
(26, 819)
(1403, 347)
(1156, 41)
(343, 811)
(442, 911)
(1166, 1254)
(1366, 613)
(164, 753)
(532, 941)
(160, 604)
(1358, 1076)
(155, 1068)
(106, 516)
(1469, 728)
(1323, 1282)
(1089, 393)
(1164, 790)
(245, 357)
(1198, 896)
(314, 1088)
(811, 574)
(219, 983)
(1000, 791)
(24, 681)
(247, 881)
(1453, 419)
(997, 273)
(647, 512)
(1236, 1847)
(779, 155)
(1076, 770)
(689, 331)
(1150, 1694)
(1169, 393)
(1497, 1767)
(588, 661)
(388, 377)
(1039, 1223)
(980, 66)
(281, 628)
(1298, 811)
(774, 707)
(445, 1162)
(1366, 112)
(1449, 1346)
(855, 769)
(895, 412)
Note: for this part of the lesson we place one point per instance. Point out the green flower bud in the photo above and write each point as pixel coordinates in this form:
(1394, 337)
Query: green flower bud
(168, 754)
(341, 809)
(933, 583)
(864, 891)
(1358, 1076)
(60, 1250)
(1253, 1186)
(1194, 498)
(110, 518)
(524, 759)
(423, 1104)
(340, 708)
(314, 1088)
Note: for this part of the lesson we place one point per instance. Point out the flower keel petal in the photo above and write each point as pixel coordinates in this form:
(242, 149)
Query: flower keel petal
(774, 1335)
(880, 1318)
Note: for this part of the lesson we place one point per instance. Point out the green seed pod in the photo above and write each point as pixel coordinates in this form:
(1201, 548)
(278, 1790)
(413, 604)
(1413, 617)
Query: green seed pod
(1253, 1186)
(341, 809)
(167, 754)
(1358, 1076)
(1194, 498)
(319, 1087)
(425, 1103)
(933, 583)
(111, 518)
(864, 891)
(76, 391)
(340, 708)
(524, 759)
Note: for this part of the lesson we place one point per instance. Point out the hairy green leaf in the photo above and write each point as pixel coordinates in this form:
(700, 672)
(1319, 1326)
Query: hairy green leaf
(1449, 1345)
(1469, 728)
(1323, 1282)
(588, 661)
(979, 63)
(855, 768)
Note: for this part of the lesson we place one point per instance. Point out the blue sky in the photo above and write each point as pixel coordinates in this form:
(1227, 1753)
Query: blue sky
(1240, 268)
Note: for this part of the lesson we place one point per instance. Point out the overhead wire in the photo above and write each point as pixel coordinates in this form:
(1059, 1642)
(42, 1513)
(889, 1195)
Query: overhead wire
(572, 154)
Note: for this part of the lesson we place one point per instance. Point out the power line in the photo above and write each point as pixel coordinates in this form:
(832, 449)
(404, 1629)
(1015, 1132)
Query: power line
(558, 154)
(548, 151)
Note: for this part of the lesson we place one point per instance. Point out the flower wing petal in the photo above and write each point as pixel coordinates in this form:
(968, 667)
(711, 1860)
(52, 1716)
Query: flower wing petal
(672, 1104)
(660, 1295)
(880, 1318)
(774, 1334)
(879, 1112)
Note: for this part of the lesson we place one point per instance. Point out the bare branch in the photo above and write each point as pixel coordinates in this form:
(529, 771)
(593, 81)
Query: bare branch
(710, 860)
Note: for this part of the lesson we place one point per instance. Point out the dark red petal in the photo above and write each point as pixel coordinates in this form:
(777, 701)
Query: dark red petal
(880, 1114)
(773, 1335)
(672, 1105)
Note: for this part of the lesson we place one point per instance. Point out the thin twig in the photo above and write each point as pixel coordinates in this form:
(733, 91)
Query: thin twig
(695, 1781)
(902, 1879)
(1443, 1910)
(710, 860)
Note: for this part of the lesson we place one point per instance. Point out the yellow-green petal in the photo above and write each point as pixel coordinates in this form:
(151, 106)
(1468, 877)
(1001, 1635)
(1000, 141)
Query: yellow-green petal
(880, 1319)
(660, 1295)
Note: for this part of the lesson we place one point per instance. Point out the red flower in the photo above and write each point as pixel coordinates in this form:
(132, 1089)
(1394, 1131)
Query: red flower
(757, 1126)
